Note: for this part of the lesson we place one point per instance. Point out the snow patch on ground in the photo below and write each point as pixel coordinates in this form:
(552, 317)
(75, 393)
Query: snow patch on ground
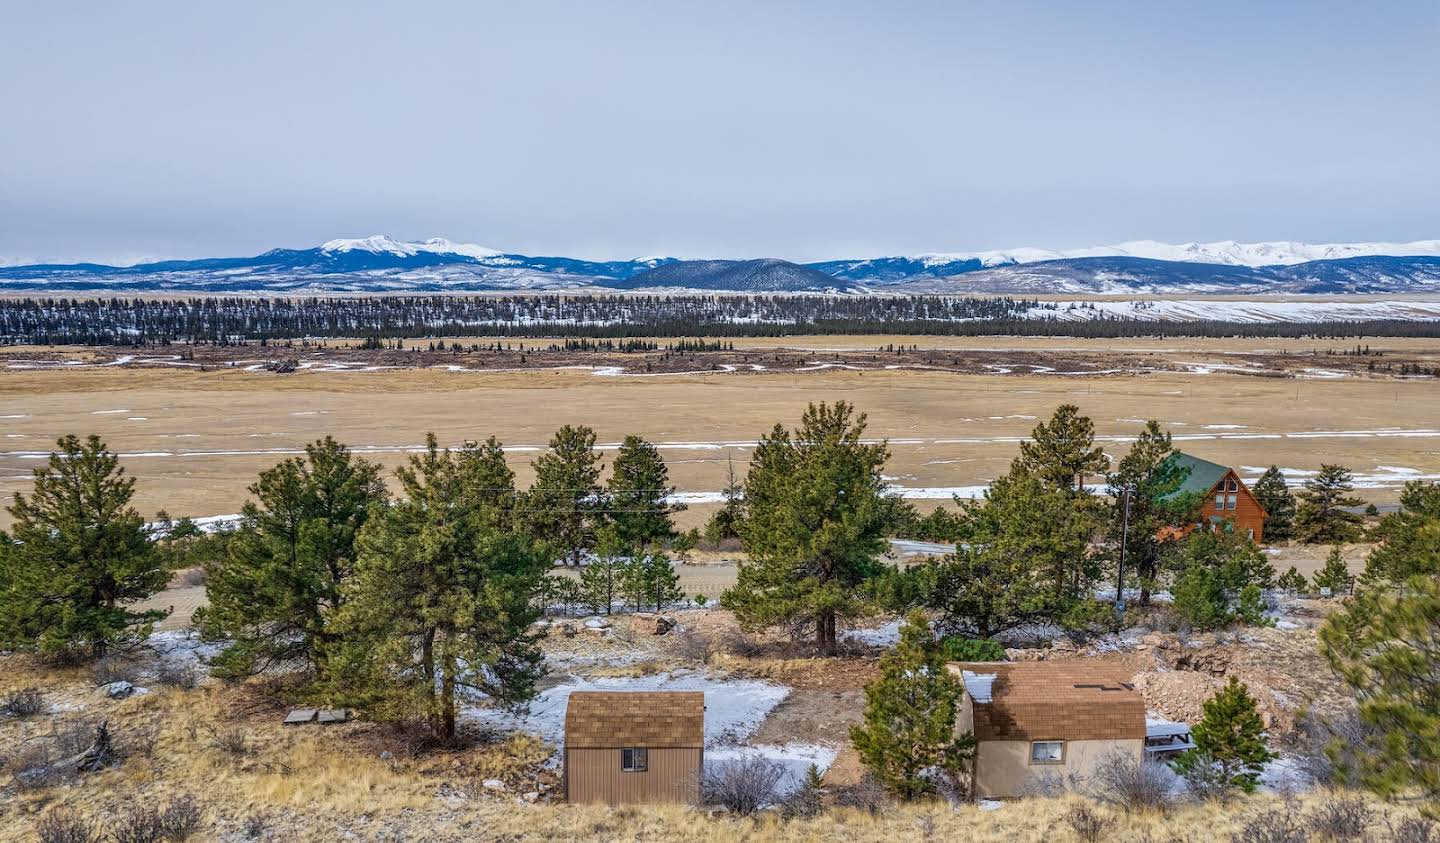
(734, 708)
(794, 758)
(881, 636)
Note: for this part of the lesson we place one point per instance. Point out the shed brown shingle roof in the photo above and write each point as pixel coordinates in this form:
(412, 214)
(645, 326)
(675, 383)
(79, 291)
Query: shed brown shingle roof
(602, 719)
(1036, 701)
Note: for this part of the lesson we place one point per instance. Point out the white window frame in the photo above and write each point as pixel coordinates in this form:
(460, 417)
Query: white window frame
(634, 759)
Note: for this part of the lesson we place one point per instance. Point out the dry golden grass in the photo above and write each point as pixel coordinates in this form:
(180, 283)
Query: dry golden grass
(946, 429)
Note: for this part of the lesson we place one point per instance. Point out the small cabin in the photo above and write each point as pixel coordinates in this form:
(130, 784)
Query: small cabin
(1036, 721)
(625, 747)
(1226, 500)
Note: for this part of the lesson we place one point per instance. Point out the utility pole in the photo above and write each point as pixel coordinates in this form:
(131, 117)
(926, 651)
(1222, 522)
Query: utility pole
(1124, 547)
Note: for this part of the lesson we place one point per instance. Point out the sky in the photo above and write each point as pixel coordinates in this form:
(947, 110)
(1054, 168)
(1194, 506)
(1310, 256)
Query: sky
(802, 130)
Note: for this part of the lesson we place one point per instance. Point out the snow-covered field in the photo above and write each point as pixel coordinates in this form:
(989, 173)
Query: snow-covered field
(1248, 311)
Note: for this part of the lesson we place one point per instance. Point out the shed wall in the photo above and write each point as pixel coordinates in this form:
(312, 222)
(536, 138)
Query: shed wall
(594, 775)
(1003, 769)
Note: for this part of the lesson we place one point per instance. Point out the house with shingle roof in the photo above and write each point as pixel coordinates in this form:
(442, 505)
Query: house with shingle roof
(1225, 499)
(1036, 721)
(625, 747)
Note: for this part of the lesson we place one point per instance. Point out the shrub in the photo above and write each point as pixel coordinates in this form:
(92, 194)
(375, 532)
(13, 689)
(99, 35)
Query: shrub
(742, 786)
(1277, 826)
(807, 800)
(691, 646)
(112, 669)
(955, 648)
(181, 818)
(1344, 818)
(867, 795)
(1251, 607)
(700, 600)
(34, 769)
(1330, 750)
(737, 643)
(230, 740)
(1088, 824)
(1335, 575)
(24, 703)
(1292, 581)
(183, 676)
(1200, 599)
(139, 824)
(1412, 830)
(64, 825)
(1131, 783)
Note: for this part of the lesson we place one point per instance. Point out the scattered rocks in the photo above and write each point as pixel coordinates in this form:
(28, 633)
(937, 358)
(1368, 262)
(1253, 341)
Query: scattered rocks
(121, 689)
(494, 784)
(563, 629)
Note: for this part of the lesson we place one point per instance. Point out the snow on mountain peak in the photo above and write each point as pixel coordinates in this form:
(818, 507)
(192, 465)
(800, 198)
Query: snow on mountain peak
(1227, 252)
(381, 244)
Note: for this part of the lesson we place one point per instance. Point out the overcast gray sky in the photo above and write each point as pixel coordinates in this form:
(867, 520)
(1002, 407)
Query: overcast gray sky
(790, 129)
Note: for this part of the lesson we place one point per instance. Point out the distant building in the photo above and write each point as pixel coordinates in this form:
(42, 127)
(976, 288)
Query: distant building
(1225, 498)
(1035, 722)
(625, 747)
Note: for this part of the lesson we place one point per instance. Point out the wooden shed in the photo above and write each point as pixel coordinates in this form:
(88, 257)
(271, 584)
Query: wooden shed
(634, 746)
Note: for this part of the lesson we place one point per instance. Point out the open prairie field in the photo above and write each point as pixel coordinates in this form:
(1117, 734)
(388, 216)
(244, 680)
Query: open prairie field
(196, 437)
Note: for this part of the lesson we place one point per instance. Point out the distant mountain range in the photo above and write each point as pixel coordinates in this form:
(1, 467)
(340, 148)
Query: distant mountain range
(380, 264)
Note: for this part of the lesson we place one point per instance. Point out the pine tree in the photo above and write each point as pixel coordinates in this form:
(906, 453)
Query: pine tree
(1274, 497)
(440, 603)
(1200, 599)
(1386, 649)
(281, 578)
(1235, 559)
(1292, 581)
(649, 581)
(1154, 478)
(602, 580)
(814, 524)
(1022, 557)
(1229, 739)
(76, 553)
(1335, 575)
(639, 490)
(1409, 539)
(1062, 452)
(725, 523)
(565, 503)
(909, 723)
(1322, 516)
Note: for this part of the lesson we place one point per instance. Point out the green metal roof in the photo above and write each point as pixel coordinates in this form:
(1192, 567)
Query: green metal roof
(1203, 474)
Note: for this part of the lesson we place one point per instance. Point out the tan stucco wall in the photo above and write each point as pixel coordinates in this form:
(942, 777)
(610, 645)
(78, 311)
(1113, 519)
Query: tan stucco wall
(1003, 768)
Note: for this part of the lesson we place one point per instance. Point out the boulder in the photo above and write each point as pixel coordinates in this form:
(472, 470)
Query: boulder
(596, 623)
(494, 784)
(647, 623)
(563, 628)
(121, 689)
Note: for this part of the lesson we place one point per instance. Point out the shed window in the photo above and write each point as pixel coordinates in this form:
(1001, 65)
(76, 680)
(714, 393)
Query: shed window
(1047, 752)
(633, 759)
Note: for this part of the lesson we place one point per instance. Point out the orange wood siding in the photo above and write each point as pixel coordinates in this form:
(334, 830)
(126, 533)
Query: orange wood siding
(594, 776)
(1246, 516)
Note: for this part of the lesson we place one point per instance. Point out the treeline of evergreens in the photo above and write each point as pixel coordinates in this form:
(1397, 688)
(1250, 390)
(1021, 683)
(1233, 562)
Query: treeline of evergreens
(226, 321)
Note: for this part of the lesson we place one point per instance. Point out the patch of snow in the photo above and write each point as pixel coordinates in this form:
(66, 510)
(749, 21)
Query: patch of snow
(794, 758)
(881, 636)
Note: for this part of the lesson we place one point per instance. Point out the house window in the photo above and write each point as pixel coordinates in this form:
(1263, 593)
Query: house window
(1047, 752)
(1250, 533)
(1229, 501)
(1230, 485)
(1219, 501)
(632, 760)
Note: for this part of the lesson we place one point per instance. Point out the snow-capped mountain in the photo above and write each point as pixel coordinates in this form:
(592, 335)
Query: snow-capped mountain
(383, 264)
(1229, 252)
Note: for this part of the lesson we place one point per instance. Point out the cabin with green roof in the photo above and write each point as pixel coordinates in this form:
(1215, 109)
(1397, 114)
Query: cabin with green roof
(1225, 496)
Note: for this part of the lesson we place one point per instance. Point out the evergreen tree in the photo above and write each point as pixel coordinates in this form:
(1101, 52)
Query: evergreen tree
(1229, 739)
(909, 725)
(76, 553)
(440, 603)
(639, 491)
(1274, 497)
(1156, 507)
(602, 580)
(1062, 452)
(725, 523)
(1335, 575)
(814, 524)
(1250, 607)
(1322, 517)
(1022, 557)
(1409, 539)
(1200, 599)
(1235, 559)
(1386, 649)
(565, 503)
(649, 581)
(1292, 581)
(270, 596)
